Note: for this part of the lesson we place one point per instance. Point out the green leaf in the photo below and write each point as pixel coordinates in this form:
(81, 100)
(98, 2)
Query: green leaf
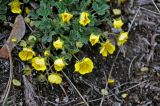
(44, 10)
(100, 8)
(68, 1)
(16, 82)
(3, 9)
(41, 78)
(27, 71)
(33, 14)
(61, 7)
(26, 1)
(2, 17)
(52, 33)
(23, 43)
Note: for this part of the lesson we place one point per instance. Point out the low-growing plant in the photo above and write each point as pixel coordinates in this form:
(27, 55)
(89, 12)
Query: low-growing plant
(3, 10)
(60, 28)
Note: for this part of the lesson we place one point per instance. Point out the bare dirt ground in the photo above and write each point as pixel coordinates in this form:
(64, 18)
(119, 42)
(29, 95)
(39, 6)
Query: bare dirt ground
(135, 66)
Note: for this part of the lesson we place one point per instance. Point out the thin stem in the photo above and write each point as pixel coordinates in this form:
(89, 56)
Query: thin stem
(75, 89)
(75, 57)
(133, 19)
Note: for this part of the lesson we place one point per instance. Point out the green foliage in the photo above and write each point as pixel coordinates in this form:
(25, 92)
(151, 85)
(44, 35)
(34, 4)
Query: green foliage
(100, 8)
(26, 1)
(16, 82)
(49, 25)
(3, 9)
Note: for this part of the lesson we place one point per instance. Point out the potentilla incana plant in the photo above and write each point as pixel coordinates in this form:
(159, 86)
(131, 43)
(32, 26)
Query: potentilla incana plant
(60, 28)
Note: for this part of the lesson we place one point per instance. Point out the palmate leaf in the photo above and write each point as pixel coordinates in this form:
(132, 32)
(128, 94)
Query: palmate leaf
(2, 17)
(100, 8)
(44, 11)
(26, 1)
(69, 1)
(3, 10)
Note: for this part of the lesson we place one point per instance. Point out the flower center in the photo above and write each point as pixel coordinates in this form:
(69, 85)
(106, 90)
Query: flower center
(39, 62)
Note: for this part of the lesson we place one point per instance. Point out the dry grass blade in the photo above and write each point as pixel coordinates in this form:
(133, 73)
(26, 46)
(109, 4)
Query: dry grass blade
(17, 33)
(8, 87)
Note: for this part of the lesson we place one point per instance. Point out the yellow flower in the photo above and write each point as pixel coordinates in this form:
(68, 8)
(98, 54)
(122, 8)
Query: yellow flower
(27, 10)
(122, 38)
(94, 39)
(111, 81)
(121, 1)
(84, 66)
(39, 63)
(118, 23)
(66, 17)
(84, 20)
(26, 54)
(107, 48)
(46, 53)
(15, 6)
(58, 44)
(54, 78)
(59, 64)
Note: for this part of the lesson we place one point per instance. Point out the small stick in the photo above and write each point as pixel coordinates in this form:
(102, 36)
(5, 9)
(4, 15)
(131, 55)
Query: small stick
(156, 6)
(142, 8)
(133, 19)
(129, 70)
(110, 73)
(63, 90)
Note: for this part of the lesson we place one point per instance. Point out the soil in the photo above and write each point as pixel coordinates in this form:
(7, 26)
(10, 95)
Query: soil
(135, 67)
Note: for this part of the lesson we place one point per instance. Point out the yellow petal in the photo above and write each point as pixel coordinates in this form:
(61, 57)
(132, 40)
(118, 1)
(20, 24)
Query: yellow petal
(16, 10)
(15, 6)
(77, 66)
(111, 81)
(59, 64)
(27, 10)
(66, 17)
(46, 53)
(110, 48)
(94, 39)
(84, 20)
(39, 64)
(54, 79)
(58, 44)
(103, 50)
(107, 48)
(26, 54)
(84, 66)
(118, 23)
(122, 38)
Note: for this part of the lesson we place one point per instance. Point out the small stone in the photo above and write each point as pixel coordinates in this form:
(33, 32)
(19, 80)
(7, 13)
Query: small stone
(144, 69)
(104, 92)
